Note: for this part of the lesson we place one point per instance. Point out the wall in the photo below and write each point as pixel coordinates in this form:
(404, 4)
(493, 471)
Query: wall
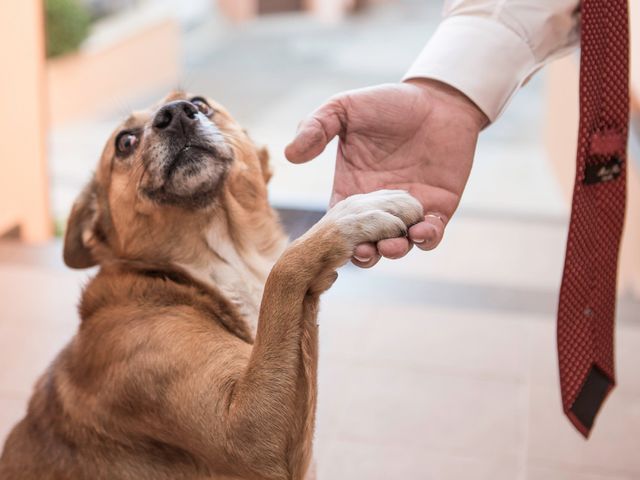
(95, 79)
(23, 176)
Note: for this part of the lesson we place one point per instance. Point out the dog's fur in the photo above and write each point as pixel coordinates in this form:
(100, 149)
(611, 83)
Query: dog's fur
(171, 375)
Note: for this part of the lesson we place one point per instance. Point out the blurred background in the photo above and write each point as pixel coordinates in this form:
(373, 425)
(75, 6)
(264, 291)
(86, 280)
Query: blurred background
(438, 366)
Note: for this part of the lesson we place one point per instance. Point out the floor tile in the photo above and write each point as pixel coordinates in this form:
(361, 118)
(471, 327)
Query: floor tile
(34, 296)
(445, 340)
(508, 253)
(543, 355)
(463, 414)
(335, 388)
(628, 358)
(346, 328)
(349, 460)
(25, 353)
(12, 409)
(613, 445)
(536, 472)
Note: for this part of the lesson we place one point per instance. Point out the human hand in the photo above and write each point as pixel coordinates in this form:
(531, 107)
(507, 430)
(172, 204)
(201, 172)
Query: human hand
(418, 136)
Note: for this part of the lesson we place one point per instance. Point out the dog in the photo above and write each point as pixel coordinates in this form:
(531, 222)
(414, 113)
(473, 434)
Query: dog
(197, 351)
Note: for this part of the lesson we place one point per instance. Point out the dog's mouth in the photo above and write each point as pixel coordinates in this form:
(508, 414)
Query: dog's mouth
(190, 159)
(190, 174)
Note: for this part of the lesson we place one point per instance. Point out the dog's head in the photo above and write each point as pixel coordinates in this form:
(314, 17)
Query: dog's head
(165, 174)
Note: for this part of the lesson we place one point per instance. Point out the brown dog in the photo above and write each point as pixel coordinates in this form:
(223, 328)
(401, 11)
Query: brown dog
(189, 362)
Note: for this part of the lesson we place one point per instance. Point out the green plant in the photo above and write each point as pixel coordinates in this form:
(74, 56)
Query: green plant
(67, 25)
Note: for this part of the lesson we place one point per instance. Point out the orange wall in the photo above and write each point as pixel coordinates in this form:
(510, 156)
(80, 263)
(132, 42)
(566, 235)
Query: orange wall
(90, 81)
(23, 177)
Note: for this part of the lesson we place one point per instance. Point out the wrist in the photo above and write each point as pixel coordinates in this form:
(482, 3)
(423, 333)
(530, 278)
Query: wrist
(452, 96)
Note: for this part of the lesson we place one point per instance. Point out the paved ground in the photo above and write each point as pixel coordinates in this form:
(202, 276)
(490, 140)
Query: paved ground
(440, 366)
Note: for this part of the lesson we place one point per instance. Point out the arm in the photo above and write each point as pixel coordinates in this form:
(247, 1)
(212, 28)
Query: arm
(488, 49)
(421, 134)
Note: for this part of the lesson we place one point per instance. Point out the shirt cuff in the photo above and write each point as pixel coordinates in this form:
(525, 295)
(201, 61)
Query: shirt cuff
(481, 57)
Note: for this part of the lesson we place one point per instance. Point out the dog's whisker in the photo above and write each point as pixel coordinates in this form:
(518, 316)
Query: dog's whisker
(145, 170)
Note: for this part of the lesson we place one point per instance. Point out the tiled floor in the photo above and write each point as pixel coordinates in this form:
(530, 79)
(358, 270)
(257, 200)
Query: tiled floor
(432, 392)
(411, 386)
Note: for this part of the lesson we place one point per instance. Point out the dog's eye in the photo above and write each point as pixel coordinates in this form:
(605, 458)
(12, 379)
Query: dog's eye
(126, 142)
(202, 105)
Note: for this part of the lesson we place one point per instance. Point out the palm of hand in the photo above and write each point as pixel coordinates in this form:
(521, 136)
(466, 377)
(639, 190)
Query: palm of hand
(403, 143)
(407, 136)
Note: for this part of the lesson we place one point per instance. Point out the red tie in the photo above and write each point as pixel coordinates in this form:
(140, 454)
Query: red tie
(586, 312)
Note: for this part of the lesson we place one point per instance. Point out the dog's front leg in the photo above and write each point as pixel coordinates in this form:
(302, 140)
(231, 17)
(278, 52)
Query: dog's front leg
(273, 405)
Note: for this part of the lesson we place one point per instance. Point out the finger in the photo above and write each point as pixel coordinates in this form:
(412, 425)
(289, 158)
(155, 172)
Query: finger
(367, 264)
(394, 247)
(365, 255)
(428, 234)
(335, 198)
(365, 252)
(315, 132)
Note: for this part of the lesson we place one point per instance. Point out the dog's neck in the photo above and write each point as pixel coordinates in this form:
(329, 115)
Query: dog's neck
(238, 270)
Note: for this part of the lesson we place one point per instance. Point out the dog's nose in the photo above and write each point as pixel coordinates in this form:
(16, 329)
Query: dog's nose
(173, 114)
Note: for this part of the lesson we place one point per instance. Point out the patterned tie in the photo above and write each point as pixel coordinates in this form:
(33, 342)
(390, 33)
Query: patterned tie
(586, 311)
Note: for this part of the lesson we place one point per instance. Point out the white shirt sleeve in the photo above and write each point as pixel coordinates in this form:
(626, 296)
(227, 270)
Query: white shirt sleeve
(488, 48)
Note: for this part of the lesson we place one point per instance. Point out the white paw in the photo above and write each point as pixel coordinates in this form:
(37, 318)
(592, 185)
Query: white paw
(375, 216)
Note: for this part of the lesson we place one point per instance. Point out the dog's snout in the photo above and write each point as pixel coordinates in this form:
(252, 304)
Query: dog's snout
(174, 113)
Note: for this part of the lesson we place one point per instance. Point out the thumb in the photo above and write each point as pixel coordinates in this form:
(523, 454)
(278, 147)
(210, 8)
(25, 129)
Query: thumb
(316, 131)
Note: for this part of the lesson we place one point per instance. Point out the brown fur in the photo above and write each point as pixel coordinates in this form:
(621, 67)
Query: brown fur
(167, 376)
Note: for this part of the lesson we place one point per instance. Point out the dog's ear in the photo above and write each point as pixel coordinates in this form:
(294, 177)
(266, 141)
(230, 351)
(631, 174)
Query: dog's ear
(81, 234)
(263, 155)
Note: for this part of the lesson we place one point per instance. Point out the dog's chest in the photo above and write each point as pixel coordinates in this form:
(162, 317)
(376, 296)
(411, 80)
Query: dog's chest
(243, 288)
(239, 276)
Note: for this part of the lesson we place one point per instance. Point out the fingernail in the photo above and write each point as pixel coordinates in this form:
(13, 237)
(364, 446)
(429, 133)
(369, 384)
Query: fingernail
(415, 240)
(434, 215)
(362, 260)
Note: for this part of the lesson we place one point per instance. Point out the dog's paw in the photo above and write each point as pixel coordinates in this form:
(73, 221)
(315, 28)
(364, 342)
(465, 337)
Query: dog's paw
(313, 258)
(375, 216)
